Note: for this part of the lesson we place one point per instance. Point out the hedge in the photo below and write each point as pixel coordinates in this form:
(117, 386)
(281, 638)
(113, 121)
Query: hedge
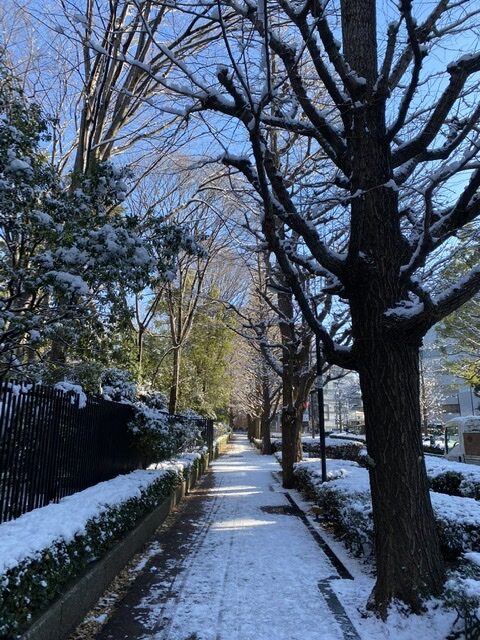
(28, 586)
(347, 508)
(445, 476)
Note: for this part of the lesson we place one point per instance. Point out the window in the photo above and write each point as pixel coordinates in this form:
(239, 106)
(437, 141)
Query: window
(451, 408)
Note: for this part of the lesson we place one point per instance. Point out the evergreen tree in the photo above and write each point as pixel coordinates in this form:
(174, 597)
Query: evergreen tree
(69, 252)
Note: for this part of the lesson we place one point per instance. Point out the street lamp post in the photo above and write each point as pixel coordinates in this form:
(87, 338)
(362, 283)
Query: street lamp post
(321, 406)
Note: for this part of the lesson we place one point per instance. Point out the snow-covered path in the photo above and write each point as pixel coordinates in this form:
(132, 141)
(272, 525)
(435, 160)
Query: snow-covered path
(236, 564)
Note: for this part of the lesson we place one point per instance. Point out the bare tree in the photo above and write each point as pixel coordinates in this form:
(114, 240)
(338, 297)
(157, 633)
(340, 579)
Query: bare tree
(397, 130)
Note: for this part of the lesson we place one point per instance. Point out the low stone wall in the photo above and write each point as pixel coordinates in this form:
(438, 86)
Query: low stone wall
(69, 609)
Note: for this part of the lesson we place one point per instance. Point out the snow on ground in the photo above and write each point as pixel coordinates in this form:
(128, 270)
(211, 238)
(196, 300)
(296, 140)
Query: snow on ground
(252, 574)
(36, 530)
(256, 574)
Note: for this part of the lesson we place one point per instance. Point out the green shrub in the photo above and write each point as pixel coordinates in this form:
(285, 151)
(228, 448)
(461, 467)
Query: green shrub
(448, 483)
(160, 436)
(351, 450)
(470, 488)
(348, 512)
(434, 450)
(348, 515)
(29, 586)
(455, 483)
(462, 593)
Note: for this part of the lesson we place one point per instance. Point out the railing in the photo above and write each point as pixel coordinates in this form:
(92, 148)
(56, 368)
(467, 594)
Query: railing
(51, 447)
(208, 436)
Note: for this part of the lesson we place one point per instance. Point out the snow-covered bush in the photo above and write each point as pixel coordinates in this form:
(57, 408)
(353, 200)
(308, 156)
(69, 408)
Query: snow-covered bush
(346, 506)
(470, 488)
(456, 482)
(462, 593)
(154, 399)
(445, 476)
(346, 510)
(28, 585)
(85, 374)
(448, 483)
(75, 391)
(159, 436)
(118, 385)
(341, 450)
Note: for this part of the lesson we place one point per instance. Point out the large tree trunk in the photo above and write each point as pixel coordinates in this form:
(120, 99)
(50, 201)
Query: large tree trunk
(296, 383)
(291, 371)
(291, 440)
(409, 564)
(289, 446)
(406, 540)
(250, 427)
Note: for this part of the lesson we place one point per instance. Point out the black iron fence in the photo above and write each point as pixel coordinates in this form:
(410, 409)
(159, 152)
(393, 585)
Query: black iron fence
(53, 444)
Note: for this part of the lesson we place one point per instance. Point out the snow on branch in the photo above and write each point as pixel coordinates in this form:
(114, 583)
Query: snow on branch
(334, 144)
(421, 315)
(418, 53)
(423, 34)
(283, 207)
(459, 72)
(464, 211)
(300, 19)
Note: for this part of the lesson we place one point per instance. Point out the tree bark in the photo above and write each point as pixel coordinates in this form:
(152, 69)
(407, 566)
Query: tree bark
(409, 564)
(289, 414)
(250, 427)
(289, 446)
(173, 401)
(406, 539)
(297, 378)
(140, 337)
(266, 418)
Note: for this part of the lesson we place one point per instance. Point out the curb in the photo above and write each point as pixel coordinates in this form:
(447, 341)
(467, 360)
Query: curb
(68, 610)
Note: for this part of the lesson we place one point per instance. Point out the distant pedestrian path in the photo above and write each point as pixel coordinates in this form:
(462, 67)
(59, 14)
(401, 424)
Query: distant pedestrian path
(234, 564)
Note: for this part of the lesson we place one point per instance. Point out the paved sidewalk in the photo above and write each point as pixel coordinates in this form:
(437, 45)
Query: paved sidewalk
(235, 564)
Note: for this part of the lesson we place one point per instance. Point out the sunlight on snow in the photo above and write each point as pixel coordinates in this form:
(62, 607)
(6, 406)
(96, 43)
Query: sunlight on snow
(234, 488)
(240, 523)
(235, 492)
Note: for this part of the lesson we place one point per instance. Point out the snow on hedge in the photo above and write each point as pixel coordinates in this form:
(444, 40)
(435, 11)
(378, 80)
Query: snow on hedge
(37, 530)
(350, 477)
(435, 466)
